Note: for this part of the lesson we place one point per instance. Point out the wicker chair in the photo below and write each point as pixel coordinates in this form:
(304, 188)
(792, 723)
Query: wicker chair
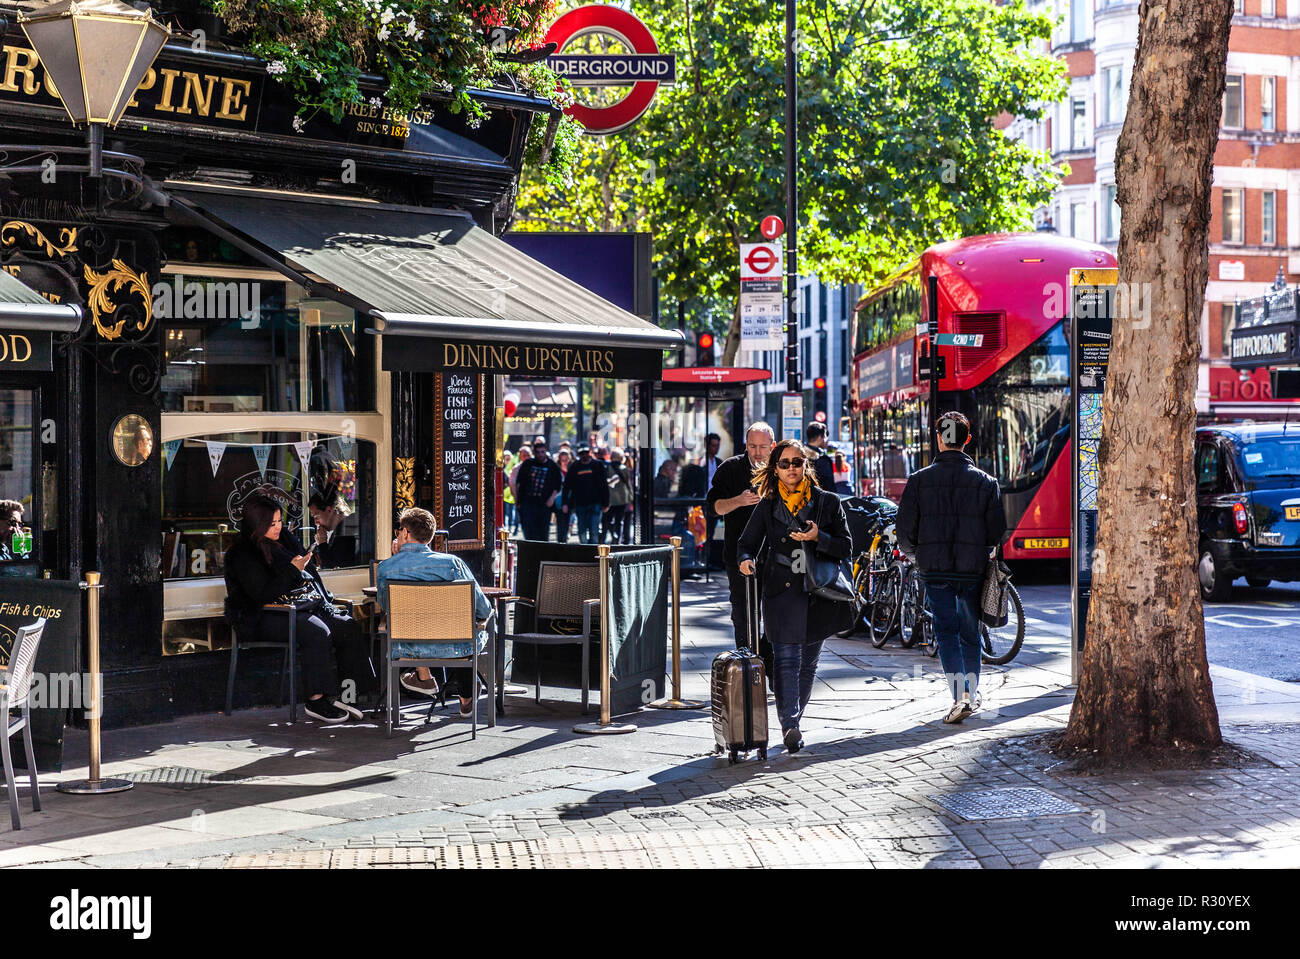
(432, 624)
(15, 694)
(565, 594)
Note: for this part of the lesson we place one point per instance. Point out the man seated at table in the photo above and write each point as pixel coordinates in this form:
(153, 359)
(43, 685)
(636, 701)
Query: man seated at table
(413, 559)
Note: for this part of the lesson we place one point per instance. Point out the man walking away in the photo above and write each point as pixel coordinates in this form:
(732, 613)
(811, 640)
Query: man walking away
(732, 496)
(949, 520)
(618, 516)
(586, 494)
(537, 483)
(815, 435)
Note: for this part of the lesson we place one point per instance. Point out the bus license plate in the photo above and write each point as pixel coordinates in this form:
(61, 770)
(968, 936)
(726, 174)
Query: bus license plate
(1047, 543)
(1293, 512)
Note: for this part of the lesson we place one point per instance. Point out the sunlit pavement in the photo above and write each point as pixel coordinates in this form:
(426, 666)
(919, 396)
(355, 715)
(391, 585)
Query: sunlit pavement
(881, 783)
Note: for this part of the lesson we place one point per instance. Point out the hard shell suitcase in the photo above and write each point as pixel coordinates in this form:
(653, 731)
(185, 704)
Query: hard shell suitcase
(739, 692)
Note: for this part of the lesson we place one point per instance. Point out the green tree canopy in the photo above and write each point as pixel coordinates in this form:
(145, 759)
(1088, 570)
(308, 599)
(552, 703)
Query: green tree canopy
(898, 147)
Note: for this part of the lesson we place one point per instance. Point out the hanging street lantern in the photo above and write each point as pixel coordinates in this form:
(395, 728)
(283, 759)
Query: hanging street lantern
(95, 54)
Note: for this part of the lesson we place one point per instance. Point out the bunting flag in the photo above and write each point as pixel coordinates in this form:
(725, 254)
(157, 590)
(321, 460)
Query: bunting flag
(169, 451)
(304, 454)
(215, 452)
(262, 453)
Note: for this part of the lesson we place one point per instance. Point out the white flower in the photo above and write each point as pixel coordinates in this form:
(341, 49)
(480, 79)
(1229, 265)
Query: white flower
(383, 33)
(387, 16)
(298, 124)
(376, 102)
(419, 34)
(276, 67)
(412, 29)
(317, 74)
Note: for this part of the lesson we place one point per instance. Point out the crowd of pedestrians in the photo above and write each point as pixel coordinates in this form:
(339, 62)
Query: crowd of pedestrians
(588, 492)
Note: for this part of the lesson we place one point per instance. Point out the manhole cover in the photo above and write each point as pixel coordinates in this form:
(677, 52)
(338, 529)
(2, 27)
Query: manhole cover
(747, 802)
(1015, 803)
(181, 777)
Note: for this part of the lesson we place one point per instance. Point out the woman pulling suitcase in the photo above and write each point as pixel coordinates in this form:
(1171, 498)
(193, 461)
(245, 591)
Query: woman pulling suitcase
(793, 511)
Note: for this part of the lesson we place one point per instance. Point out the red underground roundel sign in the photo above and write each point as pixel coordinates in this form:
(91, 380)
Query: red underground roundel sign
(642, 70)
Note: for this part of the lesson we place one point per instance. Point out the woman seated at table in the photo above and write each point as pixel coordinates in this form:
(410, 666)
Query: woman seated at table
(267, 564)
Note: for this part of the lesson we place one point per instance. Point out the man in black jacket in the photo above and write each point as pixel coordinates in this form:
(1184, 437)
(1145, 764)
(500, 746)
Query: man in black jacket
(815, 439)
(586, 494)
(733, 498)
(949, 520)
(537, 483)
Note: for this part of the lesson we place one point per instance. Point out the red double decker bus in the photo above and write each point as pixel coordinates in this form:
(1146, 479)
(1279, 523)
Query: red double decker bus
(1013, 291)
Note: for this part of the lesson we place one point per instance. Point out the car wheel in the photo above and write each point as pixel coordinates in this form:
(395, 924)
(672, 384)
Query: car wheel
(1257, 583)
(1216, 587)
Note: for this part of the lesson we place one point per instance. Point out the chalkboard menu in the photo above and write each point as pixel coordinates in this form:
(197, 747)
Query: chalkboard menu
(458, 497)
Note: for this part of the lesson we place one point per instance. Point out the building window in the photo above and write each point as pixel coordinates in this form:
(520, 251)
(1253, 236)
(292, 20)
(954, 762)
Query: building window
(1080, 225)
(1267, 8)
(1268, 104)
(1233, 110)
(1113, 79)
(1229, 314)
(1078, 124)
(1232, 216)
(1112, 213)
(1079, 20)
(1239, 6)
(1268, 234)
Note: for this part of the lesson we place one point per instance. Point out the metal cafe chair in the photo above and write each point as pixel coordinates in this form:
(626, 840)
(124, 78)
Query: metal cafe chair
(243, 635)
(565, 594)
(15, 694)
(432, 624)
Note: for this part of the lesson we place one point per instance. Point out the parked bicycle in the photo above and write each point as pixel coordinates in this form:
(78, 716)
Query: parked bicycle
(870, 522)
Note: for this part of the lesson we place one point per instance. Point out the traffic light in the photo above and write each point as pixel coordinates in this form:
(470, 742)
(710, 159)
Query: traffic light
(819, 399)
(704, 349)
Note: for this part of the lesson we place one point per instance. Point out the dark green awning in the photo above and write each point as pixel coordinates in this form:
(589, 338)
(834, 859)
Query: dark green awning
(22, 308)
(445, 293)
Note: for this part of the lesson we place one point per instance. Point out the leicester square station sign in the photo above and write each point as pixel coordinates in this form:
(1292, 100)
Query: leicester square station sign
(642, 70)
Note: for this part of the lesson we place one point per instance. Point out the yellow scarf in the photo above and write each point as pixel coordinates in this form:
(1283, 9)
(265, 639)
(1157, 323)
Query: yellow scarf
(795, 501)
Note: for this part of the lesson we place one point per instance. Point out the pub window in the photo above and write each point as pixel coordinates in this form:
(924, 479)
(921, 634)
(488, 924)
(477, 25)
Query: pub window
(1268, 234)
(1232, 218)
(20, 519)
(254, 343)
(1229, 314)
(1233, 108)
(1112, 213)
(1079, 19)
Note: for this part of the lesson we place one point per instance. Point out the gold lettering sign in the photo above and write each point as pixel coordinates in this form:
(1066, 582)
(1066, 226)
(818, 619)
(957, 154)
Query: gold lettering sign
(528, 360)
(15, 348)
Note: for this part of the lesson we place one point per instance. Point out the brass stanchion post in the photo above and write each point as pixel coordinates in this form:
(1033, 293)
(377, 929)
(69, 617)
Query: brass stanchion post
(676, 701)
(606, 726)
(503, 543)
(94, 785)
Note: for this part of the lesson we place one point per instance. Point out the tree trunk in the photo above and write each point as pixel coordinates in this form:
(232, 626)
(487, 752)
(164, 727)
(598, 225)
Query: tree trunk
(733, 337)
(1144, 683)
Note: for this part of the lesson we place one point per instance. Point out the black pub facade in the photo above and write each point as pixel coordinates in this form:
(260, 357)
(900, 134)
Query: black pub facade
(246, 303)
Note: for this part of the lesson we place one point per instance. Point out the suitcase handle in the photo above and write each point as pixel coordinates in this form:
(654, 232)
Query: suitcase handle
(752, 611)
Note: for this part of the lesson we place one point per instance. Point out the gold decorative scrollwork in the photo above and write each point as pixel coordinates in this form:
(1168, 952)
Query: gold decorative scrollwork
(103, 285)
(67, 238)
(405, 484)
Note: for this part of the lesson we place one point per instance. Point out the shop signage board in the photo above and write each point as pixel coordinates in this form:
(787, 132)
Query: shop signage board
(26, 351)
(417, 354)
(640, 70)
(716, 374)
(458, 493)
(1265, 333)
(762, 303)
(58, 686)
(1092, 299)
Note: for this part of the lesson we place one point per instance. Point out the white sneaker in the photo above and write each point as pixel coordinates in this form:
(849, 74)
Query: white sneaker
(347, 708)
(960, 710)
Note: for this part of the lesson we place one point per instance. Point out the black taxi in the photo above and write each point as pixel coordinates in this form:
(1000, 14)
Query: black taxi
(1248, 505)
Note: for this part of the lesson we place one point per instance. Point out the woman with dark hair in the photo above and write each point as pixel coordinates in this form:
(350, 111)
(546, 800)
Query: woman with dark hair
(793, 511)
(267, 564)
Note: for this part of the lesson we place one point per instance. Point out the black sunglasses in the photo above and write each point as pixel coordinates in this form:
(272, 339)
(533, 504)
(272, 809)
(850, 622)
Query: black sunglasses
(796, 463)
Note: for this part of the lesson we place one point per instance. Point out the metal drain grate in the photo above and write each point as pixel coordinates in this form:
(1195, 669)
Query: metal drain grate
(181, 777)
(747, 802)
(665, 814)
(1014, 803)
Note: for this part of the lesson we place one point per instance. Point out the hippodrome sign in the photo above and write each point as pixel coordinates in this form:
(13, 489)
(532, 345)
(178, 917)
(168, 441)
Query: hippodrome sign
(644, 69)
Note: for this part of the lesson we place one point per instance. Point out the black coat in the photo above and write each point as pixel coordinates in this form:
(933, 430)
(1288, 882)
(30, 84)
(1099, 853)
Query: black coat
(586, 484)
(790, 614)
(949, 517)
(732, 478)
(251, 582)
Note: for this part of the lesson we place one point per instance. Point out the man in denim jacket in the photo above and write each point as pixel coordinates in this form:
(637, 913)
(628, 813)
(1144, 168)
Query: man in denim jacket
(413, 559)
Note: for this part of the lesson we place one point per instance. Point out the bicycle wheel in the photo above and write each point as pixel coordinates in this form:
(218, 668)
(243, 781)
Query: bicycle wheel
(910, 611)
(929, 645)
(884, 609)
(860, 581)
(1001, 643)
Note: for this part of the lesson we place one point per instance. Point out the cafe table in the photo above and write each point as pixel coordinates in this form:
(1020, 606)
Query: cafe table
(494, 594)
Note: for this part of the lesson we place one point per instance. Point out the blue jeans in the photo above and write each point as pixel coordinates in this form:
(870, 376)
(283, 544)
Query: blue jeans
(794, 669)
(957, 631)
(588, 522)
(535, 518)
